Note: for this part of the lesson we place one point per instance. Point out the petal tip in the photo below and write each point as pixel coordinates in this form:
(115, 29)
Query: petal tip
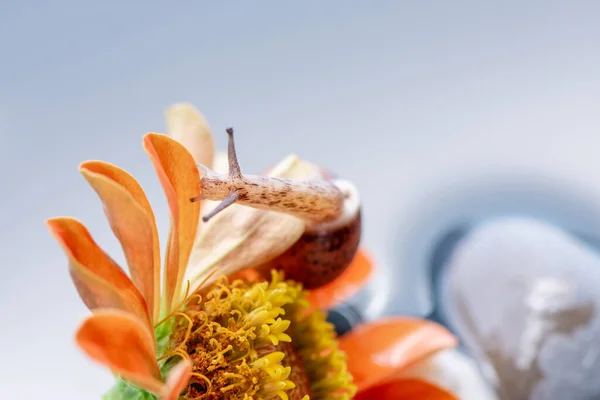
(187, 114)
(55, 224)
(182, 108)
(52, 221)
(153, 135)
(85, 165)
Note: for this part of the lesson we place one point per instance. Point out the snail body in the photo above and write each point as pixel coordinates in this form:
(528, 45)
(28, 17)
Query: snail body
(329, 207)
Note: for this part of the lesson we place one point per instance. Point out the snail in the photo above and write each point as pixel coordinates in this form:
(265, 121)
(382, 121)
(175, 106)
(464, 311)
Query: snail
(329, 207)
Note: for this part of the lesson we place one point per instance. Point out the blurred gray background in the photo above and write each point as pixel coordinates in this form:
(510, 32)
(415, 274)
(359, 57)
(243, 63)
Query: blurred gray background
(427, 106)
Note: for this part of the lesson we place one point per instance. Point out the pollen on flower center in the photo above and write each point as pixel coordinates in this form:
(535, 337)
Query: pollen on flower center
(258, 341)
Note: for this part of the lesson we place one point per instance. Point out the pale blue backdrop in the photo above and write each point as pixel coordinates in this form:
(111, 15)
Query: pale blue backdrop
(409, 99)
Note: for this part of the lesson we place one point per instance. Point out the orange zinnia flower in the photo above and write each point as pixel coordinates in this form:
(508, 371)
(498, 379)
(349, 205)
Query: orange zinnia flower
(219, 329)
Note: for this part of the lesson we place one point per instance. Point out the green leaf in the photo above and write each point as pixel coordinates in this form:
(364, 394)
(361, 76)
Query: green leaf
(162, 333)
(123, 390)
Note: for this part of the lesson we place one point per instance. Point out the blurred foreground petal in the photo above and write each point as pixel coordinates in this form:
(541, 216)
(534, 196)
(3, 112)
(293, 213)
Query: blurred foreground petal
(379, 351)
(405, 389)
(177, 380)
(455, 372)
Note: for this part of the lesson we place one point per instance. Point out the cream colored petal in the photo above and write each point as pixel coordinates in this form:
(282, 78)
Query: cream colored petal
(189, 127)
(221, 163)
(455, 372)
(242, 237)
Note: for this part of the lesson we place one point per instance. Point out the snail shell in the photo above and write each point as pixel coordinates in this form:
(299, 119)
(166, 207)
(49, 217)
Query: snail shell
(325, 250)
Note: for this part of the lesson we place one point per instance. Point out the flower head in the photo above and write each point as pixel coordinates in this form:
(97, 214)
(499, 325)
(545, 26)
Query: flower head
(222, 325)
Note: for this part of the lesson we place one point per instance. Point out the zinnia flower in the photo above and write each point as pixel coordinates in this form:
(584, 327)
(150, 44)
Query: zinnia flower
(220, 328)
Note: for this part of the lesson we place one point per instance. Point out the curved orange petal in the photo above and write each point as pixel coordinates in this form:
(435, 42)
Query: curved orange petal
(122, 343)
(405, 389)
(346, 285)
(101, 283)
(177, 380)
(180, 180)
(377, 351)
(132, 221)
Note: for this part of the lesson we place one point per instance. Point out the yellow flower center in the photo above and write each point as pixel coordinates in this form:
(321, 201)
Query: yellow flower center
(259, 341)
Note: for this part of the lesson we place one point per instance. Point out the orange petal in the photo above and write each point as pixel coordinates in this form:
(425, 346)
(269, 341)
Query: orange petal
(180, 180)
(123, 343)
(101, 283)
(378, 351)
(133, 223)
(405, 389)
(177, 380)
(346, 285)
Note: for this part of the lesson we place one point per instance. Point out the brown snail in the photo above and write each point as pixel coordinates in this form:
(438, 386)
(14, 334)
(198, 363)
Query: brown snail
(329, 207)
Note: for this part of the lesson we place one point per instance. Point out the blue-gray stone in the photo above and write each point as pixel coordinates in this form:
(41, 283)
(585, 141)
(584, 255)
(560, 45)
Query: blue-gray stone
(525, 297)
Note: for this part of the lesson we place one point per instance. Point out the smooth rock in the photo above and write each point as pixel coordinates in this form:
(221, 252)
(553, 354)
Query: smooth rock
(525, 297)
